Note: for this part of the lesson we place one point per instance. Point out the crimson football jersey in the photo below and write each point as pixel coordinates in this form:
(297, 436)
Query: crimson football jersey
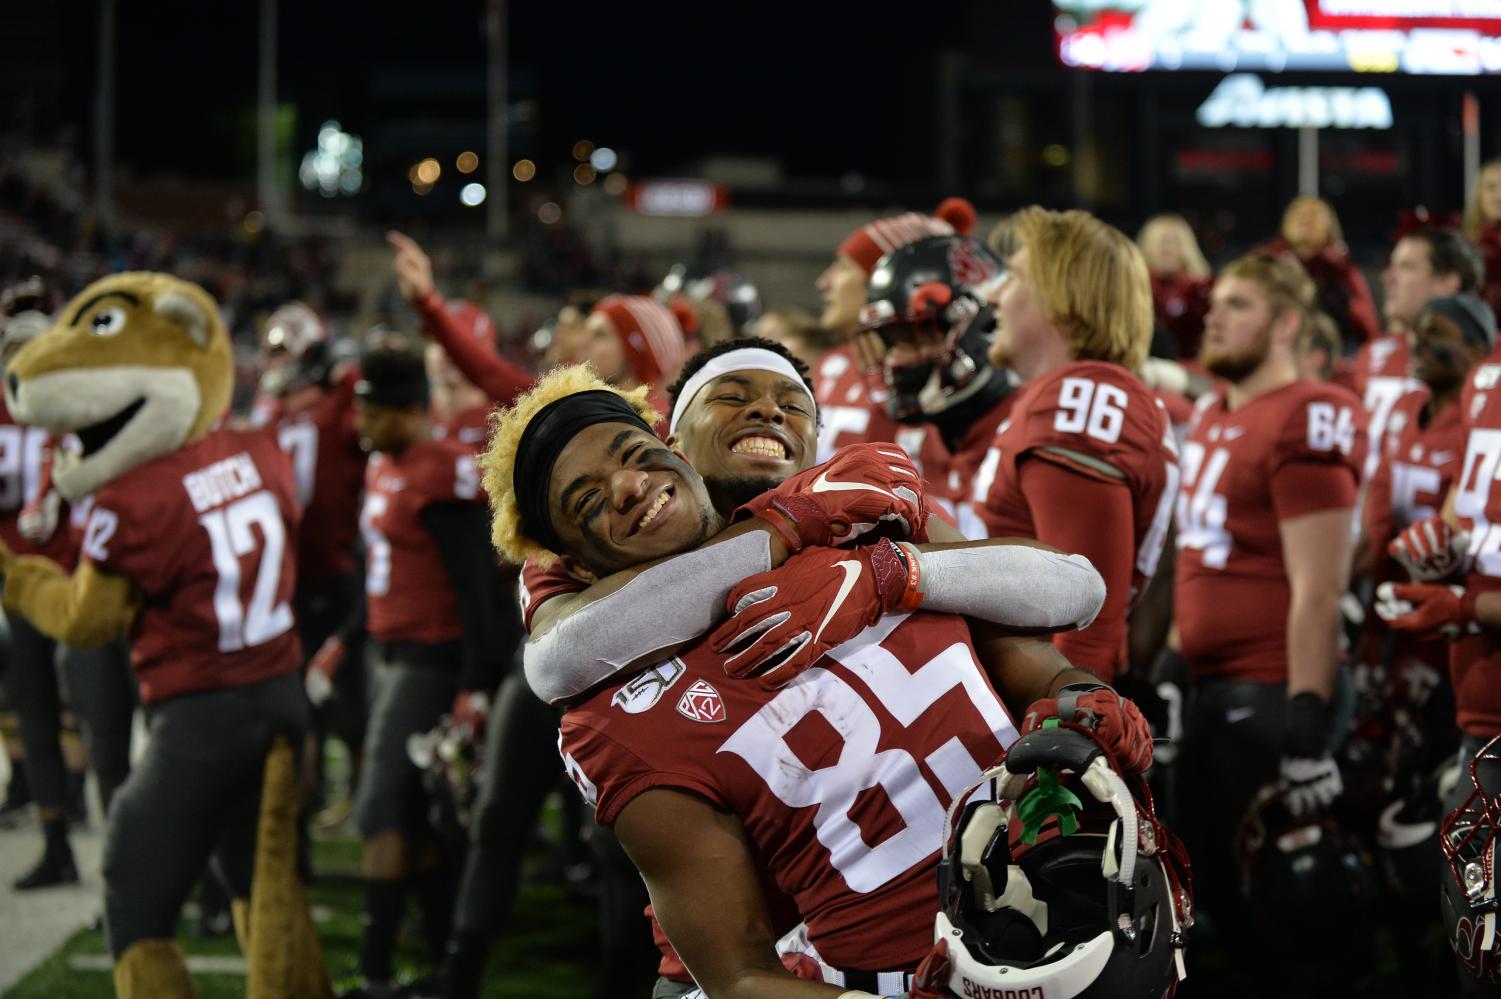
(24, 454)
(329, 466)
(1293, 451)
(470, 427)
(852, 410)
(1475, 658)
(1382, 376)
(539, 585)
(968, 458)
(408, 593)
(1099, 421)
(207, 533)
(1409, 484)
(841, 778)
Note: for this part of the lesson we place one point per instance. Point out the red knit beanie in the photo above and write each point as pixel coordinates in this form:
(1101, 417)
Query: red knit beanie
(651, 334)
(870, 243)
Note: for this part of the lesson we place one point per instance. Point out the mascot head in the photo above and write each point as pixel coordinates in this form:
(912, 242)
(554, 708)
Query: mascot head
(137, 365)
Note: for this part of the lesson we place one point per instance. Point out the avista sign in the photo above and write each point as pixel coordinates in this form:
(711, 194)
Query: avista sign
(1243, 101)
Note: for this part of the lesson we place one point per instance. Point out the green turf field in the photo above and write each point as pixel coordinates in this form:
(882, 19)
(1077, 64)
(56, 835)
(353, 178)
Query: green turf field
(543, 954)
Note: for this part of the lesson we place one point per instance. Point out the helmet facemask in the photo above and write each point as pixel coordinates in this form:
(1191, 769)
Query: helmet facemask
(1468, 839)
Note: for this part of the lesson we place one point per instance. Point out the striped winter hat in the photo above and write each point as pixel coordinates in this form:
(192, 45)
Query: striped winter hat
(652, 335)
(871, 242)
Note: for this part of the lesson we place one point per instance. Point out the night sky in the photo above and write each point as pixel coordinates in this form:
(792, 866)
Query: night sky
(826, 88)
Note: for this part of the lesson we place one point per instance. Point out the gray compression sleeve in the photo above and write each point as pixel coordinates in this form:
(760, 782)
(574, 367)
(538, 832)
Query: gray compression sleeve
(1012, 585)
(663, 606)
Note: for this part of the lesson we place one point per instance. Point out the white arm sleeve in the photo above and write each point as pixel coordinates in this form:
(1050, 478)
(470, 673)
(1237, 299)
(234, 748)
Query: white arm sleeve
(1012, 585)
(663, 606)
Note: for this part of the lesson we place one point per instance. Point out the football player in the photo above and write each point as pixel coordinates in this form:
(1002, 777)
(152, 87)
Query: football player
(850, 394)
(30, 676)
(1086, 461)
(1271, 470)
(1426, 438)
(310, 402)
(431, 597)
(576, 461)
(1461, 545)
(1429, 262)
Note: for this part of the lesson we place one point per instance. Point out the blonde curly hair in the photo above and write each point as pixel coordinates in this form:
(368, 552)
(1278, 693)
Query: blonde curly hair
(499, 460)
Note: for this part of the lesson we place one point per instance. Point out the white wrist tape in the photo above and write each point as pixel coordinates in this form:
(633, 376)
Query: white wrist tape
(663, 606)
(1013, 585)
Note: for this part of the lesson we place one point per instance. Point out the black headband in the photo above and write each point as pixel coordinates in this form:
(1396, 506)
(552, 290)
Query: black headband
(545, 437)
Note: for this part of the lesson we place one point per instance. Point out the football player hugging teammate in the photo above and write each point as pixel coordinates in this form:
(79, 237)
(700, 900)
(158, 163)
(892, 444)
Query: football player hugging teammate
(713, 767)
(189, 550)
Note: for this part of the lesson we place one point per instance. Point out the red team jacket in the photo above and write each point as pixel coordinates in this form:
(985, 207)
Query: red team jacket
(841, 778)
(329, 466)
(1099, 421)
(208, 535)
(1293, 451)
(409, 595)
(1475, 659)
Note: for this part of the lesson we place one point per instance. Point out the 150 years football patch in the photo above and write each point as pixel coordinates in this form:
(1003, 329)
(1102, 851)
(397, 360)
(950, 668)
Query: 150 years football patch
(646, 689)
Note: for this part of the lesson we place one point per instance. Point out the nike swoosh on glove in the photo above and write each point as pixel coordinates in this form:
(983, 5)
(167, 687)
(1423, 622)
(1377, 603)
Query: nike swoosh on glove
(783, 621)
(1115, 722)
(861, 488)
(1430, 549)
(1434, 612)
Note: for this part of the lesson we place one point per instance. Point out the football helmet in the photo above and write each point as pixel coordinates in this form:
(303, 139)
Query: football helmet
(1468, 838)
(295, 350)
(736, 292)
(1304, 878)
(450, 760)
(929, 303)
(1035, 898)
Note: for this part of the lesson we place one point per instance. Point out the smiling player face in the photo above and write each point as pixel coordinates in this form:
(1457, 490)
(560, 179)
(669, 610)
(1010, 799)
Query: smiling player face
(619, 497)
(746, 431)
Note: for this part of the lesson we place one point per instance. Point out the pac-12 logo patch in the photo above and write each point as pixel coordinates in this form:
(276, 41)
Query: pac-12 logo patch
(702, 703)
(645, 690)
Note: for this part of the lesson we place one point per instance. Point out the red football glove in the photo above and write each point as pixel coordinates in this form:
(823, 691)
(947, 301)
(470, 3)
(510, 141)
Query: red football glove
(932, 978)
(784, 620)
(1430, 549)
(1433, 611)
(470, 709)
(322, 668)
(864, 486)
(1114, 721)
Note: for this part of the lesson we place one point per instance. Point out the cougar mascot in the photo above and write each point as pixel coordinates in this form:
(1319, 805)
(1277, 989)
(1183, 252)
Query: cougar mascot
(189, 550)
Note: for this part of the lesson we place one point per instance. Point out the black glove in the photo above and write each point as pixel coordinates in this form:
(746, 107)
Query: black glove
(1310, 777)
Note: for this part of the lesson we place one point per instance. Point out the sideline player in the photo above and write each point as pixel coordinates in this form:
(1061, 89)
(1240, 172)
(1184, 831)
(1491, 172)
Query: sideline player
(1271, 471)
(1087, 461)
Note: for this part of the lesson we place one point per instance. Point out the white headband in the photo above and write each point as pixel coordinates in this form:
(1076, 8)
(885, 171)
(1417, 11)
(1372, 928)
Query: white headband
(744, 359)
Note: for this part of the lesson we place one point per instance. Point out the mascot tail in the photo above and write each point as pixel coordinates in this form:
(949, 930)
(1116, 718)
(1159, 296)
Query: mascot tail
(286, 959)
